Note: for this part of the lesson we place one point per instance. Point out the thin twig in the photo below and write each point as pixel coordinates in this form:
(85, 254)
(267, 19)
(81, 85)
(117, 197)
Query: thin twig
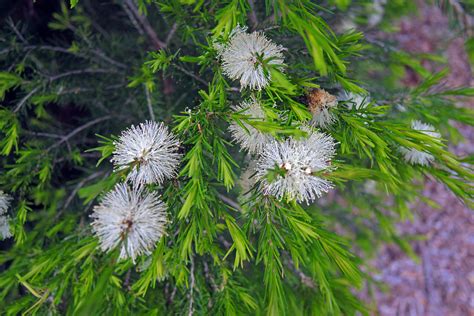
(50, 135)
(54, 49)
(76, 189)
(211, 280)
(156, 42)
(18, 33)
(94, 155)
(230, 202)
(23, 101)
(171, 34)
(173, 294)
(191, 290)
(81, 89)
(148, 102)
(101, 54)
(79, 72)
(78, 130)
(191, 75)
(133, 19)
(65, 50)
(306, 280)
(209, 277)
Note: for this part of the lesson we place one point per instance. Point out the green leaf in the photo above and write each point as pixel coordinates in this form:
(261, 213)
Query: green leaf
(10, 127)
(106, 149)
(241, 244)
(7, 82)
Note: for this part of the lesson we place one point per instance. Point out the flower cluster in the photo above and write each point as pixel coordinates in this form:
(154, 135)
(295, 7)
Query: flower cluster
(4, 218)
(295, 164)
(132, 218)
(415, 156)
(247, 57)
(129, 216)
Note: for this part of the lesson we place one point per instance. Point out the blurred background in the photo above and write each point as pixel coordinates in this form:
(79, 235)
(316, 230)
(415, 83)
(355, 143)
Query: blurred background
(442, 281)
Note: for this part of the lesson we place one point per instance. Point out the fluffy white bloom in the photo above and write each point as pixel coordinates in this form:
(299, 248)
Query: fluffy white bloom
(4, 219)
(149, 150)
(130, 218)
(320, 103)
(5, 227)
(291, 168)
(247, 179)
(246, 56)
(354, 101)
(414, 156)
(249, 137)
(4, 202)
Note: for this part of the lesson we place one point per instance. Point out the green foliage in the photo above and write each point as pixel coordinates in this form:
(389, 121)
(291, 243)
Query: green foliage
(7, 82)
(10, 127)
(229, 249)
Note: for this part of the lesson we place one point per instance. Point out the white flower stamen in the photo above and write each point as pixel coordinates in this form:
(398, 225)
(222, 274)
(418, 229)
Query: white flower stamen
(249, 138)
(5, 231)
(246, 57)
(300, 158)
(150, 150)
(131, 218)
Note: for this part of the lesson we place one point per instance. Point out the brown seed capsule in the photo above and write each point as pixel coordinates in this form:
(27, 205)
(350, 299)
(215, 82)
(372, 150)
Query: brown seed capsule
(319, 99)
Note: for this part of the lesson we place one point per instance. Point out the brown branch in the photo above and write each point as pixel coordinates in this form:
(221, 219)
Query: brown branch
(142, 20)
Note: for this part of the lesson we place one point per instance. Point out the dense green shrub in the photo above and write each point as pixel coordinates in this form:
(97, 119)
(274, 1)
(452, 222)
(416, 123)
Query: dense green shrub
(239, 231)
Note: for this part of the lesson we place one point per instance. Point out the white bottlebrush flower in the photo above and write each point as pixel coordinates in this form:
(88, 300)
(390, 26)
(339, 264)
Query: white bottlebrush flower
(150, 150)
(354, 100)
(249, 137)
(415, 156)
(320, 103)
(4, 202)
(291, 168)
(246, 58)
(5, 227)
(4, 219)
(247, 179)
(130, 218)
